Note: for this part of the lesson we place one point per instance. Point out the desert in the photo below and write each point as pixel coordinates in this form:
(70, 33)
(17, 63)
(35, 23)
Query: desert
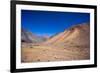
(71, 44)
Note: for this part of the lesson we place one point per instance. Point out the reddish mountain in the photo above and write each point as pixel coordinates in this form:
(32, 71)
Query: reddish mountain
(78, 35)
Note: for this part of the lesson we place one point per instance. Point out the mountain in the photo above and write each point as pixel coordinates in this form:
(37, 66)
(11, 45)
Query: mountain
(78, 35)
(29, 37)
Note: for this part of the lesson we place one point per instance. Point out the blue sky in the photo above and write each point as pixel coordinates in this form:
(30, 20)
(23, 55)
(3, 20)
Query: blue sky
(49, 22)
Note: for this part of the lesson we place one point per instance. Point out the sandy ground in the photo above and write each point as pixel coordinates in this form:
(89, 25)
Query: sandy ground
(43, 53)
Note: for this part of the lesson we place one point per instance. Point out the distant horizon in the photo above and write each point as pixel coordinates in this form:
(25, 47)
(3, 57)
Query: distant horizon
(50, 22)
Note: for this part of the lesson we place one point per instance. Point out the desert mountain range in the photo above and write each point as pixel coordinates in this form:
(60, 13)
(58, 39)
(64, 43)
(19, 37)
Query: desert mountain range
(71, 44)
(29, 37)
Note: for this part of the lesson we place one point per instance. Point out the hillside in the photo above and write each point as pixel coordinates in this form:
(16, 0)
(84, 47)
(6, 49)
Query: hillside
(75, 36)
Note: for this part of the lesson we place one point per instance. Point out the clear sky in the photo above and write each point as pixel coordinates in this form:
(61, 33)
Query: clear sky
(49, 22)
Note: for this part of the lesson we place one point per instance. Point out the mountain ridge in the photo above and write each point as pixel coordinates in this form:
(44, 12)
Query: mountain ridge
(76, 33)
(29, 37)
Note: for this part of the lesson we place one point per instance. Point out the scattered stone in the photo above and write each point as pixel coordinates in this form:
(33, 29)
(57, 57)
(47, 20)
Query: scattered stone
(38, 60)
(31, 47)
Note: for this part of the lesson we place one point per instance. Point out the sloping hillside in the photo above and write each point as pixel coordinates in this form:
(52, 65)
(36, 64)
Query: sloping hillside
(75, 36)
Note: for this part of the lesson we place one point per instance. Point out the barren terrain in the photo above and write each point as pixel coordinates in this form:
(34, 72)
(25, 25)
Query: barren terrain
(72, 44)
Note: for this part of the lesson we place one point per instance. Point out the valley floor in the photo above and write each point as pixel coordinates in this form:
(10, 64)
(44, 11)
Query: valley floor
(44, 53)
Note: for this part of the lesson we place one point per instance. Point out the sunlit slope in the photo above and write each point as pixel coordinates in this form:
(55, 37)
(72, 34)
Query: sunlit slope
(76, 36)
